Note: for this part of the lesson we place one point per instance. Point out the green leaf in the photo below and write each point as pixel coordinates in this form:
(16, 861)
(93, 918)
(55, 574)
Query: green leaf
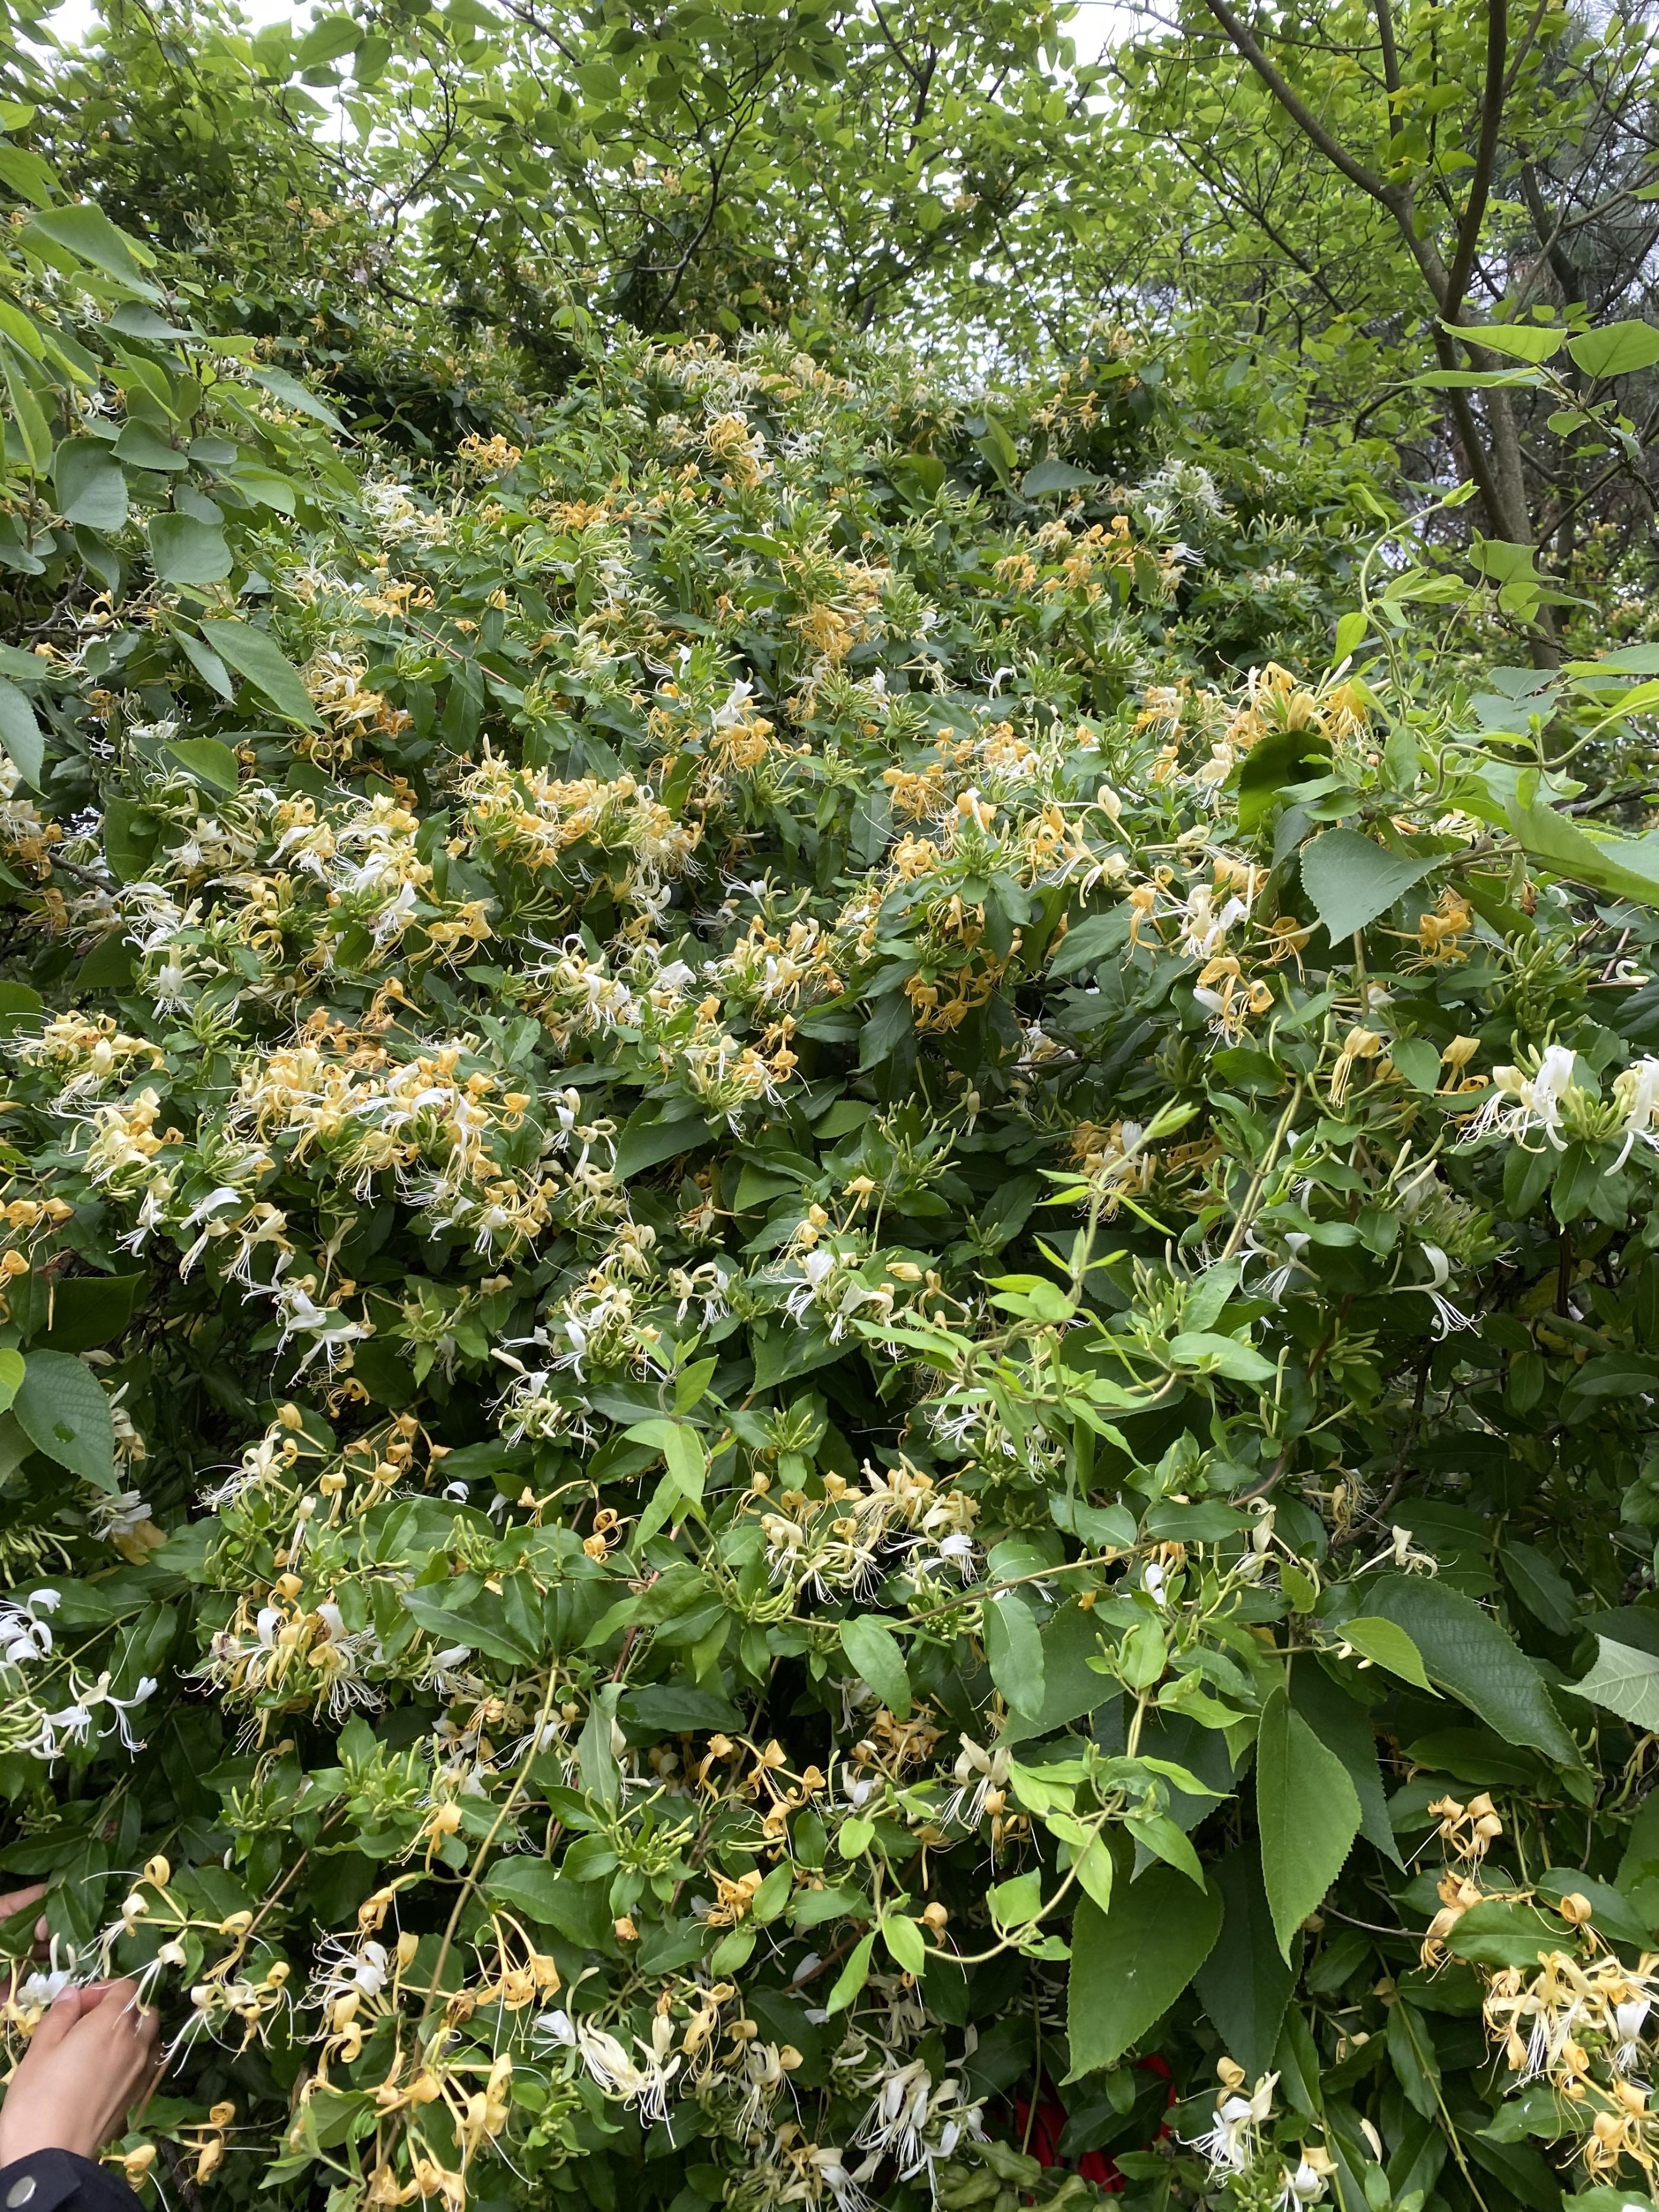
(1130, 1964)
(1308, 1813)
(1096, 1872)
(904, 1940)
(873, 1651)
(288, 392)
(1386, 1645)
(1418, 1062)
(326, 41)
(1091, 942)
(1351, 880)
(597, 1760)
(91, 237)
(1466, 1652)
(645, 1141)
(92, 487)
(209, 762)
(1245, 1984)
(1539, 1585)
(64, 1413)
(1052, 477)
(257, 655)
(687, 1462)
(83, 1311)
(1346, 1729)
(1616, 349)
(1628, 867)
(1531, 342)
(852, 1977)
(480, 1625)
(575, 1909)
(1226, 1356)
(185, 551)
(11, 1375)
(1350, 636)
(1498, 1934)
(1623, 1681)
(22, 735)
(1013, 1651)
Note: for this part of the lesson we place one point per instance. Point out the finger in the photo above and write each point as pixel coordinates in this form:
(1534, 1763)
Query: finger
(42, 1936)
(117, 1997)
(19, 1900)
(60, 2016)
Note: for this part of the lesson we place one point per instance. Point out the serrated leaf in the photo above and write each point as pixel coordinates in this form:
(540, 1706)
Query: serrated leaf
(1129, 1963)
(1466, 1652)
(1351, 880)
(1245, 1984)
(1308, 1813)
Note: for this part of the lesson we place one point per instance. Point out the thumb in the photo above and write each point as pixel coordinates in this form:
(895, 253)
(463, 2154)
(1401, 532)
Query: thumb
(60, 2018)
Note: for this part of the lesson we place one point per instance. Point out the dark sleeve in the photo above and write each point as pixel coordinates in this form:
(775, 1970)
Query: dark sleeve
(59, 2181)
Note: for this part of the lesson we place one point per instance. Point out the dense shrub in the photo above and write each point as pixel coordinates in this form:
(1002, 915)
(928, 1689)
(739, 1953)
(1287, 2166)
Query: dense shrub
(815, 1394)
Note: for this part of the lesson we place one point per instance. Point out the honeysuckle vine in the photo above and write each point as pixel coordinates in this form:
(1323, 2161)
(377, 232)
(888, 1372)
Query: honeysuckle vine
(821, 1388)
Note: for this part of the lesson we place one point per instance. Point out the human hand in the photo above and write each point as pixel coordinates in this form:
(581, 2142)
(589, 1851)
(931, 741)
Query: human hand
(14, 1901)
(92, 2055)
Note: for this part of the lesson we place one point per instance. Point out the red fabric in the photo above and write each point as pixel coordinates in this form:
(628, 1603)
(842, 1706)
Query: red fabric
(1044, 2131)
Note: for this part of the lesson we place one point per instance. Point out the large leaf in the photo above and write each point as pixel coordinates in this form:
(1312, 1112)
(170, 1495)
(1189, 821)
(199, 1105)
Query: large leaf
(92, 486)
(873, 1651)
(91, 237)
(1049, 477)
(1013, 1651)
(1385, 1643)
(645, 1141)
(62, 1409)
(22, 735)
(291, 393)
(187, 550)
(1308, 1813)
(1245, 1984)
(1466, 1652)
(1345, 1728)
(480, 1625)
(1625, 1681)
(257, 655)
(1626, 867)
(577, 1909)
(1616, 349)
(1129, 1965)
(1351, 880)
(1520, 341)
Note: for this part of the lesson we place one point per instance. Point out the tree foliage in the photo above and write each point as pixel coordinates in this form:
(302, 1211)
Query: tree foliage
(830, 1287)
